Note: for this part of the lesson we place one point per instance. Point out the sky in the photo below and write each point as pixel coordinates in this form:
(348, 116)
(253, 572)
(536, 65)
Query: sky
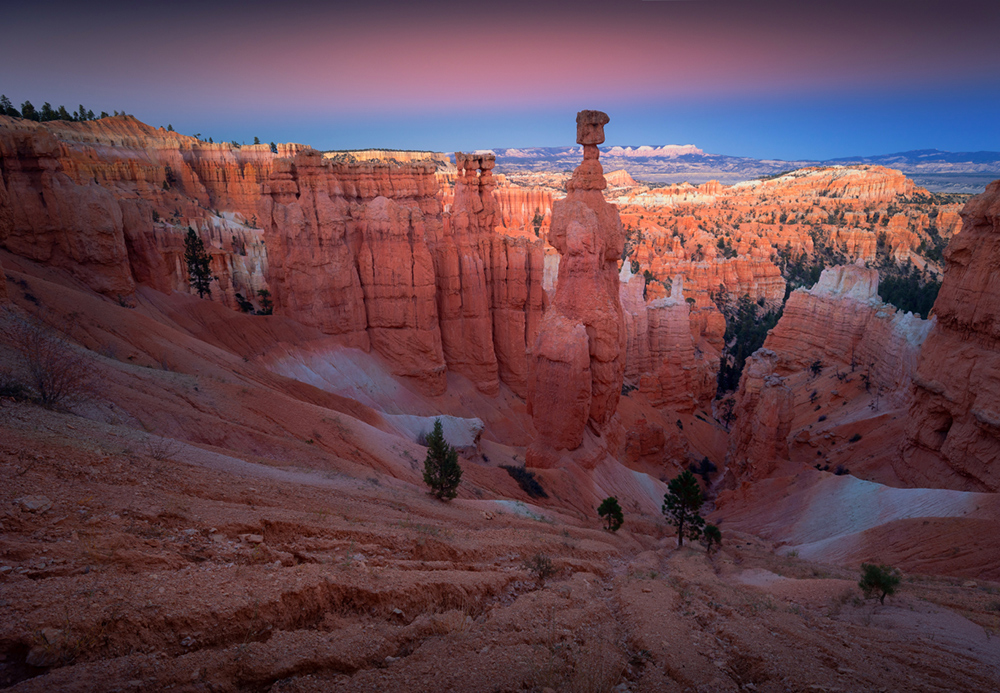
(787, 79)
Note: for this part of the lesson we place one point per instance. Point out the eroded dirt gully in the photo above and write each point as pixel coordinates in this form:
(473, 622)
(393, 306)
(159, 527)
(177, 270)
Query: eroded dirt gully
(169, 574)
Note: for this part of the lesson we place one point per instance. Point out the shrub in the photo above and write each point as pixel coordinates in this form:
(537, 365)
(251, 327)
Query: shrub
(855, 438)
(56, 375)
(244, 305)
(541, 566)
(681, 504)
(705, 469)
(441, 469)
(526, 480)
(879, 581)
(612, 514)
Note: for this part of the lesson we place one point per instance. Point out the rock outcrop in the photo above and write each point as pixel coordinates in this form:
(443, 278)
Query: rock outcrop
(463, 294)
(758, 442)
(839, 328)
(578, 359)
(953, 438)
(662, 359)
(841, 322)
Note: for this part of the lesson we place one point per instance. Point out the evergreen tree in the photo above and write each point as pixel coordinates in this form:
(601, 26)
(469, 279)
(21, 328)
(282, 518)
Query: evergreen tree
(28, 111)
(199, 264)
(46, 114)
(7, 108)
(266, 305)
(170, 128)
(104, 114)
(274, 148)
(879, 581)
(712, 537)
(681, 504)
(256, 140)
(63, 114)
(90, 115)
(243, 303)
(441, 470)
(611, 511)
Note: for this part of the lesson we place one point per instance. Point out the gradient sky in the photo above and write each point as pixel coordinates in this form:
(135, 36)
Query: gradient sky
(802, 79)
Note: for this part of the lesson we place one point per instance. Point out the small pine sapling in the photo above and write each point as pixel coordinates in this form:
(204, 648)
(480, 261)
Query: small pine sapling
(441, 469)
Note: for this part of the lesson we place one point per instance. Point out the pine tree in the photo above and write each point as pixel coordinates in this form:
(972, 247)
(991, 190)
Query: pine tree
(28, 111)
(199, 264)
(256, 140)
(681, 504)
(441, 470)
(712, 537)
(266, 305)
(611, 511)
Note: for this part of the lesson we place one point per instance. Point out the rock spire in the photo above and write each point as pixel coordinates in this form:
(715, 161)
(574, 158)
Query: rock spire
(577, 363)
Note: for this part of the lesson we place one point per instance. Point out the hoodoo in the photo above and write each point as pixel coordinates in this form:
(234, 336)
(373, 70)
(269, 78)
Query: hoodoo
(577, 362)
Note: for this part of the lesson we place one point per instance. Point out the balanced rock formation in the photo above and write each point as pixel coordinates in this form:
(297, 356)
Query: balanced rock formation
(578, 358)
(953, 438)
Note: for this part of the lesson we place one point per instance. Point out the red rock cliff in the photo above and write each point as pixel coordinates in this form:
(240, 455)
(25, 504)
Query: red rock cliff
(953, 438)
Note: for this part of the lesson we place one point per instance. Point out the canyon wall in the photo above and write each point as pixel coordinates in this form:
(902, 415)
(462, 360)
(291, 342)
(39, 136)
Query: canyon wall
(841, 322)
(110, 201)
(840, 326)
(663, 359)
(953, 437)
(359, 249)
(758, 442)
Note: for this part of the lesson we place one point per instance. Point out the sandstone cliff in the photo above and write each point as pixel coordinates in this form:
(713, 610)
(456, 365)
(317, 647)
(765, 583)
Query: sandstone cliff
(838, 328)
(953, 438)
(842, 322)
(759, 440)
(663, 359)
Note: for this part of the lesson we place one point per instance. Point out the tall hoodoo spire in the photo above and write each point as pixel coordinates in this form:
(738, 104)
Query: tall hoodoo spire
(577, 362)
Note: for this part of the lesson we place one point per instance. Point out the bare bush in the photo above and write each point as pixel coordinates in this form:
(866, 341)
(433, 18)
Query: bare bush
(160, 448)
(56, 374)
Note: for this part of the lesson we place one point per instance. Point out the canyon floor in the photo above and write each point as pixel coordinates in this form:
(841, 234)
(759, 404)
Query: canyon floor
(189, 569)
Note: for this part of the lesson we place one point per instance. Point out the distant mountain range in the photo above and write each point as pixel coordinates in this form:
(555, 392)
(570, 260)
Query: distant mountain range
(936, 170)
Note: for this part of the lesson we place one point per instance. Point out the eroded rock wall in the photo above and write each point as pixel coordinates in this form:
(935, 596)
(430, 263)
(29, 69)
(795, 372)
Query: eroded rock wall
(953, 437)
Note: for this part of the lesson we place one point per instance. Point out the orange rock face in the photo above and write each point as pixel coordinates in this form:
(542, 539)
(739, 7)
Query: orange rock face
(662, 358)
(759, 439)
(119, 196)
(840, 326)
(953, 438)
(842, 323)
(578, 358)
(51, 219)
